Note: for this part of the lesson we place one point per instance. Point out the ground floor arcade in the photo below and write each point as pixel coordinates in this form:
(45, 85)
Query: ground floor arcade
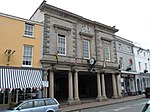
(78, 85)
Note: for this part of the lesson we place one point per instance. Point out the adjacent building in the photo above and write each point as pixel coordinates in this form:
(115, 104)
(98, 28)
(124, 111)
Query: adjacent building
(20, 55)
(142, 60)
(79, 56)
(125, 57)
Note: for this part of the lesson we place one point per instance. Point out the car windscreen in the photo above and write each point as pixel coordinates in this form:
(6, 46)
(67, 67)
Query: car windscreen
(13, 106)
(146, 108)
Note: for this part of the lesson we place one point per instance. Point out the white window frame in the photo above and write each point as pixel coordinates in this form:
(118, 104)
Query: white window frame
(121, 61)
(145, 66)
(138, 52)
(106, 46)
(119, 46)
(29, 30)
(60, 46)
(139, 66)
(144, 53)
(128, 48)
(27, 56)
(86, 53)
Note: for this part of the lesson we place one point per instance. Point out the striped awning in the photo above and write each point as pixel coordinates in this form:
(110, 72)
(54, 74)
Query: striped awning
(20, 78)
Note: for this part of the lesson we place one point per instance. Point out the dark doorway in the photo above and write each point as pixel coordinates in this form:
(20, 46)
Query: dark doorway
(87, 85)
(108, 85)
(61, 85)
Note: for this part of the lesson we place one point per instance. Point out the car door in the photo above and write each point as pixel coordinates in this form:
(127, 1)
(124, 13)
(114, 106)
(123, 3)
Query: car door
(51, 104)
(25, 107)
(39, 106)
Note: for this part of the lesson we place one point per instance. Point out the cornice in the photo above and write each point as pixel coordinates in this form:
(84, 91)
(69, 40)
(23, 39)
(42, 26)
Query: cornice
(64, 13)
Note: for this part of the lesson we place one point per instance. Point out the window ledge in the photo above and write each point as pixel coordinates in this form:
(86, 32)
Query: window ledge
(26, 65)
(62, 27)
(32, 37)
(86, 34)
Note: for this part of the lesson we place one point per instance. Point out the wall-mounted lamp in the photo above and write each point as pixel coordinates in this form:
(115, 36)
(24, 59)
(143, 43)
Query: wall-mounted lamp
(8, 53)
(145, 71)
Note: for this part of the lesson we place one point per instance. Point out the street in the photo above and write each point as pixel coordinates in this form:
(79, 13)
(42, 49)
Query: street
(130, 106)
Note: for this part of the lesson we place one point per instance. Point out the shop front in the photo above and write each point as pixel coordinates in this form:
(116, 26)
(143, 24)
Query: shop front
(143, 81)
(17, 83)
(128, 83)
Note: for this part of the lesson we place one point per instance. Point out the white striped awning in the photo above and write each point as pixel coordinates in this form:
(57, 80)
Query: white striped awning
(20, 78)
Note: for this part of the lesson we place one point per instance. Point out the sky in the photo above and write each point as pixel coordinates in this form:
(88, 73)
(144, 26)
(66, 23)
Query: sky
(131, 17)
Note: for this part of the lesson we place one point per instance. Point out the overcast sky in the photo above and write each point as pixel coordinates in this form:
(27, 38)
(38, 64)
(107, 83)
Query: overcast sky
(131, 17)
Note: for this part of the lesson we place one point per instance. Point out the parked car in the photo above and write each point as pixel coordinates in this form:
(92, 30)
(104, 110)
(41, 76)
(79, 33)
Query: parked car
(36, 105)
(146, 107)
(147, 92)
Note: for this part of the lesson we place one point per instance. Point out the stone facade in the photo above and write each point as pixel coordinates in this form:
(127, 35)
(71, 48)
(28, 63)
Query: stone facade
(73, 67)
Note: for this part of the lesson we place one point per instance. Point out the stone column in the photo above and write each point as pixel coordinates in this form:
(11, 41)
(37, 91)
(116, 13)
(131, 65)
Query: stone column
(103, 88)
(99, 96)
(70, 88)
(76, 91)
(51, 81)
(119, 86)
(114, 86)
(44, 89)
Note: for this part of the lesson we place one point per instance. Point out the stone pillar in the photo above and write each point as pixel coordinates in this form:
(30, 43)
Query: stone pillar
(99, 96)
(70, 88)
(76, 91)
(51, 87)
(45, 89)
(119, 86)
(114, 86)
(103, 88)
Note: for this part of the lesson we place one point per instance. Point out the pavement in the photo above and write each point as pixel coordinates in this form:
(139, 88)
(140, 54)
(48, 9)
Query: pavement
(90, 104)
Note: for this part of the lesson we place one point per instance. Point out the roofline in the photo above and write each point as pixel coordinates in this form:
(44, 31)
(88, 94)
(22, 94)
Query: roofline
(19, 18)
(118, 38)
(44, 4)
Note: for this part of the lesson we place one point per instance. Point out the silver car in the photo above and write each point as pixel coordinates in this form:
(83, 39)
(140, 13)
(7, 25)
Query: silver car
(36, 105)
(146, 107)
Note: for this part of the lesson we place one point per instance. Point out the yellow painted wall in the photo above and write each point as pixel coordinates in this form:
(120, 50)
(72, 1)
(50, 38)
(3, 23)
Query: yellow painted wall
(12, 37)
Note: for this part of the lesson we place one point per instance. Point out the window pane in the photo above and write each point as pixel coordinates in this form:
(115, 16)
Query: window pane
(27, 56)
(29, 29)
(86, 52)
(50, 102)
(106, 52)
(27, 105)
(39, 103)
(61, 44)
